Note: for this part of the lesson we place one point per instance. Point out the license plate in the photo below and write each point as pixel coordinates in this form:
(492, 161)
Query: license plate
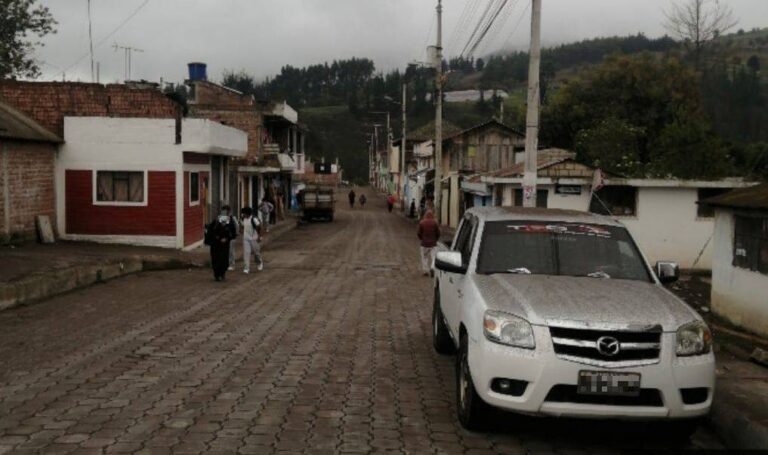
(609, 383)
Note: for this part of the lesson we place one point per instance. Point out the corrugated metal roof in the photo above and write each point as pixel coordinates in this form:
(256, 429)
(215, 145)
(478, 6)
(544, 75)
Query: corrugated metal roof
(755, 197)
(16, 125)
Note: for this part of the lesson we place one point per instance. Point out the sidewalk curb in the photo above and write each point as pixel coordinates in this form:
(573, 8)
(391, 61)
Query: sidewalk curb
(736, 430)
(43, 286)
(39, 287)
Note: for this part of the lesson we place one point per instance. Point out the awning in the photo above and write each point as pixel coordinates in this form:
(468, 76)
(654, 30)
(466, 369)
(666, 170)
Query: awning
(478, 189)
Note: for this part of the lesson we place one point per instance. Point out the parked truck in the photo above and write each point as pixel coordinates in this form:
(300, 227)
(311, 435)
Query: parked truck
(317, 201)
(559, 313)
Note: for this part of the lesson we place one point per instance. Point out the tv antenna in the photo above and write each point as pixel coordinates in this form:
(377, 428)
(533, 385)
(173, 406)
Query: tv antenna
(128, 55)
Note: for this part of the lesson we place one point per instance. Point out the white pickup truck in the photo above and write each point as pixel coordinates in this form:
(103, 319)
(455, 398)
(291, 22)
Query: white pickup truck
(558, 313)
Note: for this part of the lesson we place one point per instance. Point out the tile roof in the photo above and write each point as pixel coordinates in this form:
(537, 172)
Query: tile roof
(754, 197)
(16, 125)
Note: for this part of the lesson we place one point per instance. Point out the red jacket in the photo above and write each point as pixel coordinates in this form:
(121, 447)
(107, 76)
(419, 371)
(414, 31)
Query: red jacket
(428, 232)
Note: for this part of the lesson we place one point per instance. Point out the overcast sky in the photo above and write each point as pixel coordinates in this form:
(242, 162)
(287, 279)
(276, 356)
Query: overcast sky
(261, 36)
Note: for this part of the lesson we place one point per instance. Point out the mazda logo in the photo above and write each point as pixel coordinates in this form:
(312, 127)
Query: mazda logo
(608, 346)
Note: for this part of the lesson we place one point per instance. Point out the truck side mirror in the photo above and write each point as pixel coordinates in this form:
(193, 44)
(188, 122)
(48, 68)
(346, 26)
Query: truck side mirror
(450, 261)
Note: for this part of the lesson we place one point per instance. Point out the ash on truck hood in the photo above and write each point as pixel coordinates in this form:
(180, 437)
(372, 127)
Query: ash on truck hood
(558, 300)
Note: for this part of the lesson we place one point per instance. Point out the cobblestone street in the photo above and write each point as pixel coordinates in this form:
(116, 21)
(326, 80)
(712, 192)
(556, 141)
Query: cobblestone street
(328, 350)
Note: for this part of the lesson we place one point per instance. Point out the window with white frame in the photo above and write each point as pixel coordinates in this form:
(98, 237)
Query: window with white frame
(124, 187)
(194, 188)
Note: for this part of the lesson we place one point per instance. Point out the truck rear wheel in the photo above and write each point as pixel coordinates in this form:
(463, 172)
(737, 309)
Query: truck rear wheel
(441, 338)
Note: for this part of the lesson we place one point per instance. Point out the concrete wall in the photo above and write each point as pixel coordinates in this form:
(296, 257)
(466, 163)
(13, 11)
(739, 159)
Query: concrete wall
(27, 187)
(666, 226)
(739, 295)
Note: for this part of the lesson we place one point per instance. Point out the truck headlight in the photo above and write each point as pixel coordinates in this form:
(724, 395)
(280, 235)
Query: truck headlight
(693, 339)
(506, 329)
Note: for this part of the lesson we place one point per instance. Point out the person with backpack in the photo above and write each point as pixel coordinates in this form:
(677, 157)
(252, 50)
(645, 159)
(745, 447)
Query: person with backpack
(363, 200)
(251, 240)
(218, 235)
(266, 208)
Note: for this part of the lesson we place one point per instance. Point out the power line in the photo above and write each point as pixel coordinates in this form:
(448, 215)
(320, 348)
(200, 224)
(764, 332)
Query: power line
(470, 8)
(110, 34)
(485, 28)
(423, 51)
(479, 24)
(508, 42)
(500, 25)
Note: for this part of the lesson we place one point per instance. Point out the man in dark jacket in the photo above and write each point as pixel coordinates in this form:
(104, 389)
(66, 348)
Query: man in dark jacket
(352, 197)
(218, 236)
(429, 234)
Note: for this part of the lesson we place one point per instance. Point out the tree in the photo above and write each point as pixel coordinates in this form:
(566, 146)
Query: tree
(479, 64)
(696, 22)
(754, 63)
(18, 20)
(636, 116)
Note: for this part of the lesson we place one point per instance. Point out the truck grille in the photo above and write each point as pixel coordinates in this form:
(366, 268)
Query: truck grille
(634, 347)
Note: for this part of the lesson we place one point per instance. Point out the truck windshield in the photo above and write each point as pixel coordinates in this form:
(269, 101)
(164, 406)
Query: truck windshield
(572, 249)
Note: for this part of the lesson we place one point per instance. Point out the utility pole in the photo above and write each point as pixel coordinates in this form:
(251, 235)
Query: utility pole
(90, 40)
(403, 145)
(439, 113)
(532, 118)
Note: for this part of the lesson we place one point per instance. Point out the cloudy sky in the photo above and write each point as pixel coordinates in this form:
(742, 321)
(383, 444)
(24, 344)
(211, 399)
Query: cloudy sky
(260, 36)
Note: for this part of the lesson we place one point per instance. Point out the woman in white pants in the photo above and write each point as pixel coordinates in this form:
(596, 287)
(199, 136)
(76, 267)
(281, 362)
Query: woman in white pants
(251, 239)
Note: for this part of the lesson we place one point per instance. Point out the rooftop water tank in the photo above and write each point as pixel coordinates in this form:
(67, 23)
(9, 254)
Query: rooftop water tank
(198, 71)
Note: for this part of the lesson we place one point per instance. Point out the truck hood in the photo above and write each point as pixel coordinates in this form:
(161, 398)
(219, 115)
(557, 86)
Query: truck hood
(547, 300)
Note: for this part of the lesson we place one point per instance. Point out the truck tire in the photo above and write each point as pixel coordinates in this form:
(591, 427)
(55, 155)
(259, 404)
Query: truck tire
(471, 409)
(441, 339)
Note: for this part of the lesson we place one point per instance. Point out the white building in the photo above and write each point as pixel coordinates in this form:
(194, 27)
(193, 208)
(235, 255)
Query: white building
(142, 181)
(662, 215)
(740, 265)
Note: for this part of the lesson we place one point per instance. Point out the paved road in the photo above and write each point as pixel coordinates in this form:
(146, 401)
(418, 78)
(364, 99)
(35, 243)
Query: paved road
(326, 351)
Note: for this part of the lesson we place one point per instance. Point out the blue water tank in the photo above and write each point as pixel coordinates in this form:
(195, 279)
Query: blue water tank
(198, 71)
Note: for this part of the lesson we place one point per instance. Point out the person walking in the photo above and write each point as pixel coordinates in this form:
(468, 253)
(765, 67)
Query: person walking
(265, 209)
(422, 206)
(251, 240)
(390, 202)
(363, 200)
(218, 235)
(352, 197)
(429, 233)
(234, 226)
(412, 210)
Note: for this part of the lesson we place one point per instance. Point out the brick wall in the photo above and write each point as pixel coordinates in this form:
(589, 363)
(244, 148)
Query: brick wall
(49, 102)
(217, 103)
(29, 168)
(157, 218)
(194, 214)
(208, 93)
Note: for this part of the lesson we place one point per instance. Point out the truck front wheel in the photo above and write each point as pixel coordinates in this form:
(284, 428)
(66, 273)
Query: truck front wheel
(471, 408)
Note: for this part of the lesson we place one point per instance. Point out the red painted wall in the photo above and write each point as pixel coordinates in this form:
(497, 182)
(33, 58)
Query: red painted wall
(193, 214)
(84, 218)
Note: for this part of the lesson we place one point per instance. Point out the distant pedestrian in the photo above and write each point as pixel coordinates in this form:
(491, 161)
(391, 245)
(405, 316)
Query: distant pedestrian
(429, 233)
(218, 235)
(352, 197)
(390, 202)
(422, 206)
(363, 200)
(234, 226)
(265, 209)
(412, 211)
(251, 240)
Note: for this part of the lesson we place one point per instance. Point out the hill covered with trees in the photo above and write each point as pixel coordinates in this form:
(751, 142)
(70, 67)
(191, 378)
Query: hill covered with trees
(672, 107)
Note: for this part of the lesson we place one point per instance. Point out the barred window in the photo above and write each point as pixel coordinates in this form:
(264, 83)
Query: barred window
(120, 186)
(615, 201)
(750, 245)
(194, 188)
